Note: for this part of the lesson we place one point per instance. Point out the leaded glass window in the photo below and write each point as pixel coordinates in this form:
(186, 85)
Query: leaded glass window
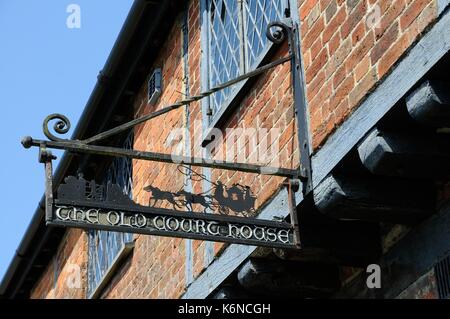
(237, 40)
(104, 246)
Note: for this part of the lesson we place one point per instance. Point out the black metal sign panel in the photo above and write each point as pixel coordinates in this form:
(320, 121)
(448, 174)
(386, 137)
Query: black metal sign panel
(83, 204)
(87, 205)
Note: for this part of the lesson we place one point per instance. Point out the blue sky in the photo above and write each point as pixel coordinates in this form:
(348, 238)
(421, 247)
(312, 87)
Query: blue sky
(45, 67)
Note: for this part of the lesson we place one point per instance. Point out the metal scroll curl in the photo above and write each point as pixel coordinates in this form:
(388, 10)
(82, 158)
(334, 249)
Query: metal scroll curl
(61, 126)
(276, 31)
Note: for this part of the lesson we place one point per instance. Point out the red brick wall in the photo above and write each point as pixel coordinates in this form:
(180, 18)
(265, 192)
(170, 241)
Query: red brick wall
(344, 58)
(66, 274)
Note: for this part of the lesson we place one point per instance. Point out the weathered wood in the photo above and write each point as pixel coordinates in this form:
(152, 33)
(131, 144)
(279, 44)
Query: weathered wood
(274, 277)
(328, 240)
(402, 154)
(420, 59)
(413, 256)
(231, 292)
(347, 243)
(374, 199)
(442, 5)
(306, 255)
(430, 103)
(222, 267)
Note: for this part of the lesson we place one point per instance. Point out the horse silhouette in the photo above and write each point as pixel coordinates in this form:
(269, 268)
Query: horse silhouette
(190, 198)
(160, 195)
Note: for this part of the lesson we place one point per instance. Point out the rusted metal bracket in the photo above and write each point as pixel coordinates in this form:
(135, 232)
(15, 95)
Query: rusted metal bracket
(276, 32)
(290, 29)
(46, 157)
(79, 147)
(293, 186)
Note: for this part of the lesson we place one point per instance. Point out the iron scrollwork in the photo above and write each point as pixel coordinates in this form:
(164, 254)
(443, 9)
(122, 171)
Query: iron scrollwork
(85, 204)
(279, 34)
(61, 126)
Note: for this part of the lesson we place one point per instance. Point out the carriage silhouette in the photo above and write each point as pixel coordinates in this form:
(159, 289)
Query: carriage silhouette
(237, 198)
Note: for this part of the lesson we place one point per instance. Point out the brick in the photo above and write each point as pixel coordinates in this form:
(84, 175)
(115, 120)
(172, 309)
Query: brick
(315, 85)
(287, 134)
(359, 32)
(351, 4)
(341, 92)
(361, 69)
(384, 43)
(334, 24)
(313, 33)
(306, 7)
(337, 51)
(330, 11)
(422, 21)
(341, 112)
(315, 13)
(334, 43)
(412, 12)
(342, 53)
(323, 131)
(360, 51)
(391, 14)
(316, 48)
(320, 101)
(401, 45)
(307, 59)
(316, 65)
(324, 4)
(354, 18)
(362, 88)
(339, 76)
(393, 54)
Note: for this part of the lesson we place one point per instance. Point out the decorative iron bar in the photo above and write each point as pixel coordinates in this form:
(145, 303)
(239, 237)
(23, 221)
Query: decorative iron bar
(79, 147)
(276, 32)
(180, 103)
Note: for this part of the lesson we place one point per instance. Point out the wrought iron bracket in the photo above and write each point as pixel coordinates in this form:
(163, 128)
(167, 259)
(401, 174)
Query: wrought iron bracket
(293, 186)
(80, 147)
(290, 29)
(276, 32)
(46, 157)
(86, 205)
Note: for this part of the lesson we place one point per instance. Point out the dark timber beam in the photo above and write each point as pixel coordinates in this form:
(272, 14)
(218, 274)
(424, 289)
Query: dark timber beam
(328, 240)
(430, 103)
(406, 155)
(231, 292)
(277, 278)
(412, 257)
(346, 243)
(374, 199)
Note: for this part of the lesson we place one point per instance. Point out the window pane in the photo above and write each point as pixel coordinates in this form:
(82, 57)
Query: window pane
(104, 246)
(258, 14)
(237, 39)
(224, 46)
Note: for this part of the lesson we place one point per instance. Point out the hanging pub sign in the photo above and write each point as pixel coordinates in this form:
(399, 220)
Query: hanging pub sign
(84, 204)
